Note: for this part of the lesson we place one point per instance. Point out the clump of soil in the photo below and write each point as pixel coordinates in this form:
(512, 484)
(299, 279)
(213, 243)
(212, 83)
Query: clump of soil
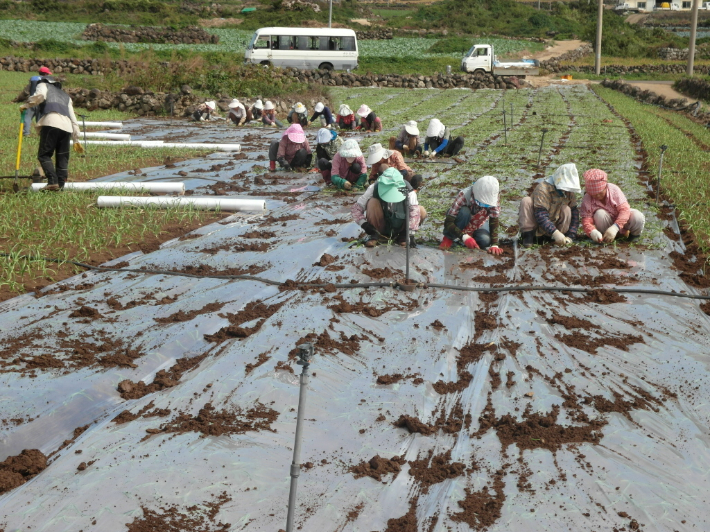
(348, 345)
(448, 423)
(395, 378)
(212, 422)
(690, 267)
(570, 322)
(165, 378)
(413, 424)
(263, 358)
(590, 344)
(181, 315)
(258, 234)
(205, 270)
(332, 222)
(436, 324)
(604, 297)
(705, 307)
(483, 321)
(378, 467)
(481, 509)
(435, 468)
(86, 312)
(257, 310)
(381, 273)
(341, 306)
(325, 260)
(16, 470)
(252, 246)
(406, 523)
(174, 519)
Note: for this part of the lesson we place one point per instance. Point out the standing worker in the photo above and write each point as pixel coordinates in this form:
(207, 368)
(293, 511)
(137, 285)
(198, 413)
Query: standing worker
(469, 212)
(438, 140)
(323, 112)
(378, 156)
(238, 113)
(381, 210)
(256, 110)
(408, 139)
(605, 211)
(268, 117)
(31, 89)
(346, 119)
(292, 151)
(57, 127)
(298, 115)
(348, 168)
(552, 210)
(369, 121)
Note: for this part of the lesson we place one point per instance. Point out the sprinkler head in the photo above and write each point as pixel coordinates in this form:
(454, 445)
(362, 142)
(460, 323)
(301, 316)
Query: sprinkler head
(305, 353)
(663, 148)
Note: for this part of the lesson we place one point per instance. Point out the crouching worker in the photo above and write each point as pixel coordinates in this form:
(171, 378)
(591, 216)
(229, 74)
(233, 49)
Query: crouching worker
(378, 156)
(346, 119)
(292, 151)
(407, 141)
(268, 116)
(369, 121)
(465, 219)
(298, 115)
(348, 168)
(552, 210)
(605, 212)
(204, 111)
(438, 140)
(238, 113)
(325, 115)
(381, 210)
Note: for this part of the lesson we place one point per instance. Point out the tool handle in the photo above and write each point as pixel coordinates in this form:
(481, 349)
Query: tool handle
(19, 146)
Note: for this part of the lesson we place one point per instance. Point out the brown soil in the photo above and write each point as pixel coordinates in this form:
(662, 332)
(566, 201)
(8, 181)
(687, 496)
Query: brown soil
(690, 269)
(64, 271)
(393, 379)
(212, 422)
(263, 358)
(436, 324)
(604, 297)
(435, 468)
(342, 306)
(197, 518)
(378, 467)
(258, 234)
(148, 410)
(406, 523)
(181, 315)
(705, 307)
(204, 269)
(382, 273)
(16, 470)
(270, 221)
(449, 424)
(86, 312)
(256, 310)
(325, 260)
(570, 322)
(481, 509)
(77, 432)
(332, 222)
(590, 344)
(237, 248)
(145, 299)
(348, 345)
(165, 378)
(483, 321)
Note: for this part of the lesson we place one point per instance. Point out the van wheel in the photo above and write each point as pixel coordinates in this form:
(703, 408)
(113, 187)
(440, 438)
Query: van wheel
(325, 66)
(479, 71)
(266, 63)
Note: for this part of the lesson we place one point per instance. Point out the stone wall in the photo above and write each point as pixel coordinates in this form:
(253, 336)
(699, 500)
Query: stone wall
(672, 68)
(553, 65)
(694, 87)
(673, 54)
(374, 35)
(147, 34)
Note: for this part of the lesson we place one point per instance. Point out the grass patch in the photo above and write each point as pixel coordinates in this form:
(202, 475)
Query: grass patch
(686, 164)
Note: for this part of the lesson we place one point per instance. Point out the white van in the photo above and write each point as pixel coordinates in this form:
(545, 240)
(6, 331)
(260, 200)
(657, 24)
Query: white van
(308, 48)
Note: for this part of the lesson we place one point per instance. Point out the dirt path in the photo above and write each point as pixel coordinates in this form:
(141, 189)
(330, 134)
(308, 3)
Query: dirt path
(556, 50)
(662, 88)
(544, 81)
(637, 18)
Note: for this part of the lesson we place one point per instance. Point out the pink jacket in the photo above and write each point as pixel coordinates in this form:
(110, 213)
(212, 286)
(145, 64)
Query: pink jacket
(616, 205)
(340, 165)
(288, 149)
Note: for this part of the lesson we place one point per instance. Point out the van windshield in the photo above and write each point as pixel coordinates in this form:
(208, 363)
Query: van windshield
(250, 46)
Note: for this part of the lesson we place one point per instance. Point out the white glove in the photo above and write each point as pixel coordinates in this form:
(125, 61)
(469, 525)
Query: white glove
(432, 154)
(426, 153)
(560, 239)
(610, 234)
(596, 236)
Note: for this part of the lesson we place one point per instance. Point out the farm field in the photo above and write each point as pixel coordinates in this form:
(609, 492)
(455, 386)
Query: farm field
(170, 401)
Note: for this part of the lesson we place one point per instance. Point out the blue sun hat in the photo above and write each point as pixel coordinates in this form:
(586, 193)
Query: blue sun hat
(389, 185)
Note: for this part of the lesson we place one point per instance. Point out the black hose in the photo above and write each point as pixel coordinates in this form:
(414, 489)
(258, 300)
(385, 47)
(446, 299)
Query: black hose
(391, 284)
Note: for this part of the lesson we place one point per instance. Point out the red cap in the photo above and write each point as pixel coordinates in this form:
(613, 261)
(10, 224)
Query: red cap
(44, 70)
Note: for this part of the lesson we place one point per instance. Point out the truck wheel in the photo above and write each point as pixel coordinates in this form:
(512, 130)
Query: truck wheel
(266, 63)
(325, 66)
(479, 71)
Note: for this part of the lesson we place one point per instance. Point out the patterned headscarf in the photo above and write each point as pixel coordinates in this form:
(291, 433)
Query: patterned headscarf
(595, 181)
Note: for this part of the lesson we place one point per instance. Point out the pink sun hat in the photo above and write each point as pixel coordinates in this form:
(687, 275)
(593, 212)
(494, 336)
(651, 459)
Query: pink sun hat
(295, 133)
(595, 181)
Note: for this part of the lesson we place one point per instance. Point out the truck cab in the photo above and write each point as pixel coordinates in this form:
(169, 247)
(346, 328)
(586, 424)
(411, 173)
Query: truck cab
(481, 58)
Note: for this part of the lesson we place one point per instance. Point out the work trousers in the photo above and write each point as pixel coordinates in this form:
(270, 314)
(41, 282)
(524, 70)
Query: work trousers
(342, 125)
(453, 147)
(54, 142)
(527, 222)
(375, 215)
(29, 113)
(603, 221)
(482, 236)
(274, 121)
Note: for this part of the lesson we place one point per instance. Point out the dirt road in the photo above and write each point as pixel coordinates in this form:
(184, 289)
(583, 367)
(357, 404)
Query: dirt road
(662, 88)
(559, 48)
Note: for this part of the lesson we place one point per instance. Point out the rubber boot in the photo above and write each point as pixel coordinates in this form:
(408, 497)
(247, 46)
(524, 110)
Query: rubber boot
(272, 166)
(528, 238)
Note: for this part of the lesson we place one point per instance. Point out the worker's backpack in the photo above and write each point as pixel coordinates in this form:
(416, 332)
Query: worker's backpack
(395, 214)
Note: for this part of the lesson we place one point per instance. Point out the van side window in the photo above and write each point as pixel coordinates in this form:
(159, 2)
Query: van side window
(482, 52)
(286, 42)
(348, 44)
(302, 42)
(322, 43)
(334, 43)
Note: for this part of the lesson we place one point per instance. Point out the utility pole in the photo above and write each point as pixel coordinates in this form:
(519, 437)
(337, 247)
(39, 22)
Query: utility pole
(598, 52)
(693, 34)
(330, 14)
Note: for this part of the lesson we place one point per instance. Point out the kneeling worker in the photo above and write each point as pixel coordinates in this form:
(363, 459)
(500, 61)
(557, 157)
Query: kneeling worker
(552, 210)
(292, 151)
(606, 212)
(470, 210)
(377, 156)
(348, 168)
(381, 210)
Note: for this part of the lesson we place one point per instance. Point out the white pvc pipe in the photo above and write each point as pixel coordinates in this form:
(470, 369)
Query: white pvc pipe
(111, 125)
(130, 186)
(222, 203)
(103, 135)
(160, 144)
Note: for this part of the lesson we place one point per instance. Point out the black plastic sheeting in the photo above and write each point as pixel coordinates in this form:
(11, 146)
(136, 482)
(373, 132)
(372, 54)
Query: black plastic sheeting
(649, 464)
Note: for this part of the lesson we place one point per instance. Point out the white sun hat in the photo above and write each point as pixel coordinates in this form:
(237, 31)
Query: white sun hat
(364, 110)
(258, 104)
(345, 110)
(350, 148)
(411, 127)
(436, 128)
(299, 108)
(268, 106)
(235, 103)
(376, 153)
(566, 178)
(324, 136)
(211, 105)
(319, 107)
(486, 190)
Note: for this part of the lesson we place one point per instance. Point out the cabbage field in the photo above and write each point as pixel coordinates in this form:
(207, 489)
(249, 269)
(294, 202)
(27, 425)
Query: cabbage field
(235, 41)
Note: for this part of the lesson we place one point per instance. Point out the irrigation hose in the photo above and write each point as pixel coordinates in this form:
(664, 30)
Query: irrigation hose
(391, 284)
